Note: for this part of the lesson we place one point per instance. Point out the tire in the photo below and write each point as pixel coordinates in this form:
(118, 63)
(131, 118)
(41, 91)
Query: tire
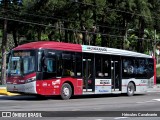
(130, 89)
(66, 91)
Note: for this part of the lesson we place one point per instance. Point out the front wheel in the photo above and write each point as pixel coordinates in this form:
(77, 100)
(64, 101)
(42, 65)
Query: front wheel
(66, 91)
(130, 89)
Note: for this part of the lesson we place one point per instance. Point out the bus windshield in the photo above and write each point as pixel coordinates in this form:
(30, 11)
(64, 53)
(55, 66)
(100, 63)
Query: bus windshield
(28, 64)
(21, 62)
(14, 66)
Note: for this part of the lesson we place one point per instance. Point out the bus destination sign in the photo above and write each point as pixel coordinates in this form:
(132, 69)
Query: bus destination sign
(21, 53)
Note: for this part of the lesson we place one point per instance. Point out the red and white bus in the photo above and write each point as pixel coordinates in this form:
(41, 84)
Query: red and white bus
(56, 68)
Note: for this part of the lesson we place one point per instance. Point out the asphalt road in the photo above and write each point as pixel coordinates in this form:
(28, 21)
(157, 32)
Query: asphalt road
(99, 107)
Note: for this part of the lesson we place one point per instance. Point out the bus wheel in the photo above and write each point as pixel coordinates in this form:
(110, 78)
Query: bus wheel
(66, 91)
(130, 89)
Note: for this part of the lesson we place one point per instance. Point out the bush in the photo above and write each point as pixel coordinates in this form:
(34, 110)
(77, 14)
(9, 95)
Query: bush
(158, 71)
(158, 80)
(158, 75)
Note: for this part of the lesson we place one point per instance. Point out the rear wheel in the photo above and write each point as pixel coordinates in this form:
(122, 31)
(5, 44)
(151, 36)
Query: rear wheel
(66, 91)
(130, 89)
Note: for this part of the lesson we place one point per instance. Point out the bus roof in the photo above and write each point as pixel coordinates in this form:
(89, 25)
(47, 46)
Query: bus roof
(79, 48)
(50, 45)
(112, 51)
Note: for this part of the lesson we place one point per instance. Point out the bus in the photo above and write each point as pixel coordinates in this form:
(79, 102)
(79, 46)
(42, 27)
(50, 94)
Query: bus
(48, 68)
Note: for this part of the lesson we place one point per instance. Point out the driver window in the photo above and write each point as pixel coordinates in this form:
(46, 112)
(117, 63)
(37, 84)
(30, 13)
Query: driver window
(49, 65)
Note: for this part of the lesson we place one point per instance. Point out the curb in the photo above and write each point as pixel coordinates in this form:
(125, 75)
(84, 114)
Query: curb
(3, 91)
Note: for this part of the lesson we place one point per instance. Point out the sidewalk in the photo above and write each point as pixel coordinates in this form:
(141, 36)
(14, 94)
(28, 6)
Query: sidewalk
(3, 91)
(155, 88)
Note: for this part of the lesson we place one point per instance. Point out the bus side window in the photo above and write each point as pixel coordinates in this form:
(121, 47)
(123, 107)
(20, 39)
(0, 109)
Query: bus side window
(78, 65)
(102, 66)
(68, 64)
(50, 65)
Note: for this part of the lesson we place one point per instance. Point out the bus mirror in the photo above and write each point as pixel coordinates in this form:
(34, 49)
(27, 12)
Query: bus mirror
(40, 60)
(44, 66)
(43, 62)
(21, 67)
(8, 56)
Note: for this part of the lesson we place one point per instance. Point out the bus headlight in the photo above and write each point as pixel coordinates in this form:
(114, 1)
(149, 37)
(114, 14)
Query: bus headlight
(21, 81)
(31, 79)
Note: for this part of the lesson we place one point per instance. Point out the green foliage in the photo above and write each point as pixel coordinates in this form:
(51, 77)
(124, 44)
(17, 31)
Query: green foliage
(122, 24)
(0, 34)
(158, 75)
(158, 71)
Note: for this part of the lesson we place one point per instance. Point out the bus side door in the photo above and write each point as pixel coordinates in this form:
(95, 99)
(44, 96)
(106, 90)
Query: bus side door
(116, 74)
(88, 76)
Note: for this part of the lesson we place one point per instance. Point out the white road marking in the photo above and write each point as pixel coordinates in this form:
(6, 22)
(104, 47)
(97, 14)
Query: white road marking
(147, 101)
(157, 99)
(152, 91)
(120, 118)
(153, 100)
(76, 109)
(98, 119)
(97, 108)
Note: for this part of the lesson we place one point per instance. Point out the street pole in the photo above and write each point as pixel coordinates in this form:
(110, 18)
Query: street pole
(4, 46)
(154, 47)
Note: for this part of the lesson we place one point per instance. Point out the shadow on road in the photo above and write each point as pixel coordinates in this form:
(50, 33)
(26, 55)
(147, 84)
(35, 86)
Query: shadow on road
(42, 98)
(102, 96)
(29, 98)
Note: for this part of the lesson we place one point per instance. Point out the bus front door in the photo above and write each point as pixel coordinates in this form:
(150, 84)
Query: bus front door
(87, 75)
(116, 75)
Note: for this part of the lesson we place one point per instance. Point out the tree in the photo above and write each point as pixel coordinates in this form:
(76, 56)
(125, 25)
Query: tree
(144, 20)
(4, 46)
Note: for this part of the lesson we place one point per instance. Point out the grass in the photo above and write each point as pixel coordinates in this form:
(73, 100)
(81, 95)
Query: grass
(158, 72)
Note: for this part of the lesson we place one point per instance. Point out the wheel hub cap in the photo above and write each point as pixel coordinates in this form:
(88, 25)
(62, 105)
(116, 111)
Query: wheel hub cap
(66, 91)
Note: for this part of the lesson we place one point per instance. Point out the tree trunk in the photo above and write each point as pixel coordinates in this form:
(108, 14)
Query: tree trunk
(39, 34)
(95, 20)
(71, 40)
(3, 48)
(50, 35)
(14, 32)
(84, 38)
(140, 47)
(66, 32)
(60, 32)
(125, 26)
(102, 32)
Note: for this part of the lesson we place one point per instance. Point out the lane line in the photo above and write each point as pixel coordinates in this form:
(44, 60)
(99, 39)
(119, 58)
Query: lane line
(156, 99)
(153, 100)
(97, 108)
(76, 110)
(147, 101)
(120, 118)
(2, 95)
(152, 91)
